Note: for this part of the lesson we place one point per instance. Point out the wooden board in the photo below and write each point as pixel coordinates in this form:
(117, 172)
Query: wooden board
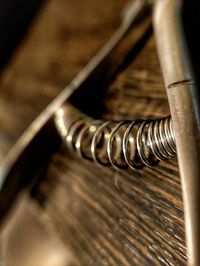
(104, 216)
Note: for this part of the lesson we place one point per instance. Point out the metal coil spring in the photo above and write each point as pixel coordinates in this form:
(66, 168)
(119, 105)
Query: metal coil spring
(122, 144)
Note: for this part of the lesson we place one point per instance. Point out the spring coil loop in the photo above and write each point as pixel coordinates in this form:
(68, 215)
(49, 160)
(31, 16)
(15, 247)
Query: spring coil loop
(122, 144)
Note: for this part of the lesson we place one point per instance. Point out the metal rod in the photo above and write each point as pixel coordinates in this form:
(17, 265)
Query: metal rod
(182, 92)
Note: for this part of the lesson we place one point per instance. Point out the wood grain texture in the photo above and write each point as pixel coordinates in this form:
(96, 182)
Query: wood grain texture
(61, 41)
(104, 216)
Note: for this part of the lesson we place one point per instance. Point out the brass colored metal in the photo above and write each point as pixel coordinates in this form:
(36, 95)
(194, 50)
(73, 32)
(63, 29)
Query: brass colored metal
(184, 104)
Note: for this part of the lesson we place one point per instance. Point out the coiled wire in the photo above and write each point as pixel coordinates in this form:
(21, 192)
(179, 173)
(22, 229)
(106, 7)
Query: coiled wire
(120, 144)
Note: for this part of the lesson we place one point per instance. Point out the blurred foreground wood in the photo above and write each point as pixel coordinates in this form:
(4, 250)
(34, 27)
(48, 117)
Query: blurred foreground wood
(103, 216)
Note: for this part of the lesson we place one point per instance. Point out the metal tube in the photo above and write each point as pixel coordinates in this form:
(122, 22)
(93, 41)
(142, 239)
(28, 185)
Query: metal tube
(183, 99)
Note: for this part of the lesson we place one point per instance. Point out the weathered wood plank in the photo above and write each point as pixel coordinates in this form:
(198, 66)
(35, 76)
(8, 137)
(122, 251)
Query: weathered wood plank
(126, 217)
(105, 217)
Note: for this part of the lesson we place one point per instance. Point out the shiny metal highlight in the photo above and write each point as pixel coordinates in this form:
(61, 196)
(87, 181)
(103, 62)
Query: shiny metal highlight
(120, 144)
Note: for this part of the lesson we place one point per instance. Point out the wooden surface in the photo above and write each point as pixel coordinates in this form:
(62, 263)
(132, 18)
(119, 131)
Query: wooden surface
(105, 217)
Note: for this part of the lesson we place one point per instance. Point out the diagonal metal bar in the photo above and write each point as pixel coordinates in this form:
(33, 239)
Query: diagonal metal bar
(33, 150)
